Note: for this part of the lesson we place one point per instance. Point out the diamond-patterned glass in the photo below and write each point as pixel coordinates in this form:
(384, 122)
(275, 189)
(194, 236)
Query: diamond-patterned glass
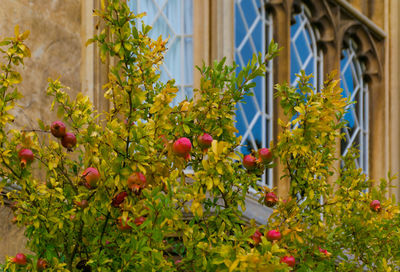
(253, 33)
(173, 19)
(304, 53)
(354, 87)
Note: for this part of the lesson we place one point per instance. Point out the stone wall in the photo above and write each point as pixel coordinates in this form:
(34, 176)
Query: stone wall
(55, 43)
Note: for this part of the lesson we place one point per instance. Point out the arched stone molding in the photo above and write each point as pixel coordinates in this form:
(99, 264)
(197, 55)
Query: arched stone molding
(370, 52)
(367, 51)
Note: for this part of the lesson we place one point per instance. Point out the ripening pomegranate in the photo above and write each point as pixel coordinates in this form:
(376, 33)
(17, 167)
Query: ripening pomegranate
(270, 199)
(182, 147)
(26, 156)
(41, 264)
(68, 141)
(205, 140)
(249, 162)
(289, 260)
(375, 205)
(274, 235)
(82, 204)
(58, 129)
(265, 155)
(140, 220)
(136, 182)
(256, 237)
(119, 199)
(91, 176)
(20, 259)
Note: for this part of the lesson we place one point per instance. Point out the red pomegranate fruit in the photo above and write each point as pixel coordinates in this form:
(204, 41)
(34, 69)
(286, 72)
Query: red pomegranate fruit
(274, 235)
(375, 205)
(256, 237)
(265, 155)
(19, 259)
(289, 260)
(205, 140)
(182, 147)
(140, 220)
(270, 199)
(91, 176)
(136, 182)
(58, 129)
(119, 199)
(68, 141)
(249, 162)
(26, 156)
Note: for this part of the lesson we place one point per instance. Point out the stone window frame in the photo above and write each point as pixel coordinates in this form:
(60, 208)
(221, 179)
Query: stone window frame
(337, 22)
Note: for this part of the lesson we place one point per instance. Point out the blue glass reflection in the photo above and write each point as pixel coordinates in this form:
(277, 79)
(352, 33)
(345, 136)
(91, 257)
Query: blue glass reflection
(347, 84)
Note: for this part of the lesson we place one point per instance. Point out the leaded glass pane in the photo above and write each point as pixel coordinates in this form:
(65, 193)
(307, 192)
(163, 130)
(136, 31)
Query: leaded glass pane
(304, 53)
(173, 19)
(354, 88)
(253, 33)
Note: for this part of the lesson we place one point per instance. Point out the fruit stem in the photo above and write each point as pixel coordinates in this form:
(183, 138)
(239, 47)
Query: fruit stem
(103, 231)
(35, 130)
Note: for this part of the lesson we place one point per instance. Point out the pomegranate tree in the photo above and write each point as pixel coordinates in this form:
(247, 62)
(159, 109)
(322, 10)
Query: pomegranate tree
(125, 189)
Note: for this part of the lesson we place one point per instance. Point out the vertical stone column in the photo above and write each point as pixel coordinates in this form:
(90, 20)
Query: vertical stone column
(93, 73)
(281, 30)
(392, 57)
(201, 37)
(222, 30)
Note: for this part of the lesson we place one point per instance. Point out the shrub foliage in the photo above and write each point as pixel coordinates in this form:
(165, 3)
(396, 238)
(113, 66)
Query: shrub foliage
(158, 206)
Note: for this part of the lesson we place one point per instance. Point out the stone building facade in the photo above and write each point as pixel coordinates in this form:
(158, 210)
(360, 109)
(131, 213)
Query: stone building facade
(368, 29)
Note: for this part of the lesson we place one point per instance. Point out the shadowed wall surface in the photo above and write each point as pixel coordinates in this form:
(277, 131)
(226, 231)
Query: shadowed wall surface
(55, 43)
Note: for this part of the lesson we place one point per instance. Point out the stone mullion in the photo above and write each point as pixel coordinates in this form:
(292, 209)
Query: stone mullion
(94, 74)
(281, 30)
(201, 37)
(394, 94)
(222, 30)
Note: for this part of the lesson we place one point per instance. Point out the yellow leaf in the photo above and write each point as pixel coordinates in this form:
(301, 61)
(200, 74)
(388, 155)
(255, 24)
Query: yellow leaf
(197, 209)
(234, 156)
(186, 129)
(142, 169)
(117, 47)
(209, 183)
(221, 187)
(185, 106)
(299, 109)
(234, 265)
(214, 147)
(299, 239)
(221, 147)
(205, 164)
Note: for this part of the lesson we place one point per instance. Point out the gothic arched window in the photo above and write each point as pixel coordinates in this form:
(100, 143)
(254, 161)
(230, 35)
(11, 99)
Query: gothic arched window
(304, 53)
(173, 19)
(253, 33)
(354, 88)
